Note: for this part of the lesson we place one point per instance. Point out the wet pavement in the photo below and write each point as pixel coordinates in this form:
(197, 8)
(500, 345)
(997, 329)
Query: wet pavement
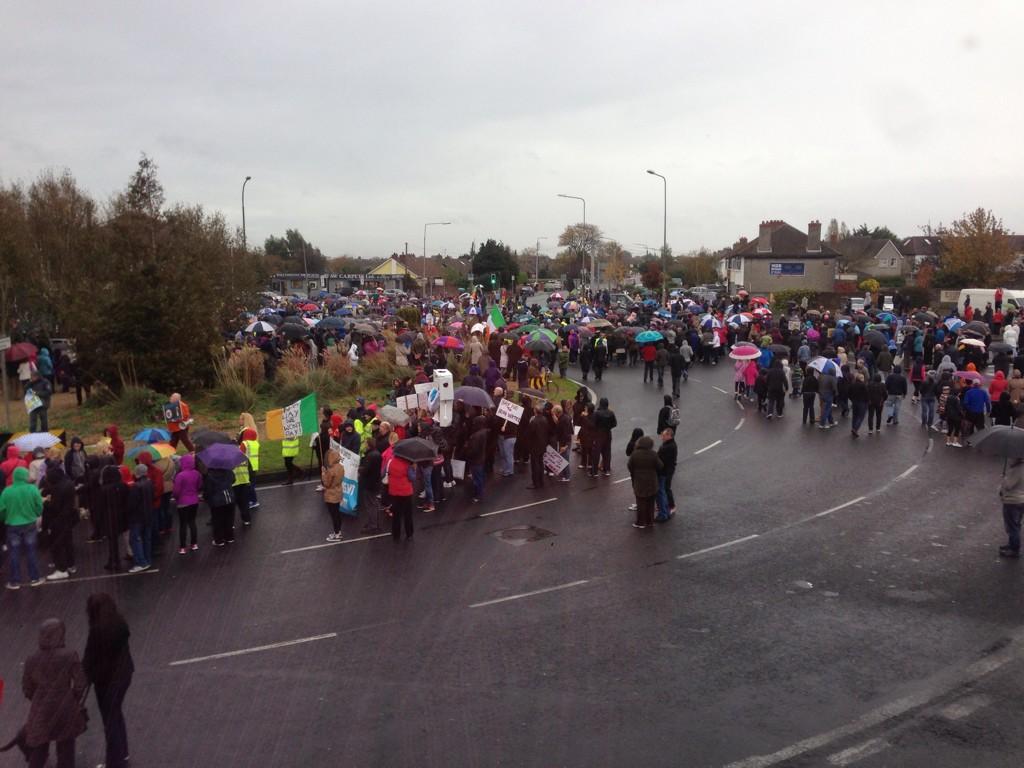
(816, 601)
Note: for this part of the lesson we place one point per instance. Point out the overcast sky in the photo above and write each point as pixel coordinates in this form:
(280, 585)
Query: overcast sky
(360, 121)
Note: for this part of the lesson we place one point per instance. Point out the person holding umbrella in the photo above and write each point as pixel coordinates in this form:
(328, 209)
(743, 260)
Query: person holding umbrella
(400, 476)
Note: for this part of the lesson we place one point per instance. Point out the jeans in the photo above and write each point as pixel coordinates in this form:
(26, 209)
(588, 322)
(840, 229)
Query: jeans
(875, 417)
(927, 412)
(648, 370)
(38, 420)
(506, 449)
(892, 404)
(21, 537)
(860, 409)
(401, 510)
(675, 384)
(142, 544)
(665, 498)
(826, 409)
(477, 472)
(428, 484)
(110, 699)
(1011, 521)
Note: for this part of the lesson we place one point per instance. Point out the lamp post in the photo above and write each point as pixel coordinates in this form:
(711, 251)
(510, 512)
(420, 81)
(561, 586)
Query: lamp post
(429, 224)
(537, 254)
(664, 238)
(247, 180)
(576, 197)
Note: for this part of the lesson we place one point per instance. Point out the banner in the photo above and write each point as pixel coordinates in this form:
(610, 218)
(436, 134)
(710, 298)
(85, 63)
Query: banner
(509, 411)
(294, 420)
(554, 462)
(350, 486)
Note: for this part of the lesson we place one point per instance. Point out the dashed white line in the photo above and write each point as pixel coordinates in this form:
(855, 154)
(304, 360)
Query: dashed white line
(256, 649)
(717, 546)
(707, 447)
(282, 485)
(850, 503)
(530, 594)
(907, 472)
(620, 480)
(958, 710)
(859, 752)
(521, 506)
(334, 543)
(724, 392)
(740, 424)
(76, 580)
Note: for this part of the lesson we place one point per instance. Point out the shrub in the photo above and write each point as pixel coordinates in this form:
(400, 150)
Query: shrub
(782, 298)
(869, 285)
(247, 364)
(294, 363)
(291, 387)
(233, 390)
(378, 370)
(336, 363)
(137, 404)
(410, 315)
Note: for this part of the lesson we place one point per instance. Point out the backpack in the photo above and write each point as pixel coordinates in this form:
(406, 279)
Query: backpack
(673, 417)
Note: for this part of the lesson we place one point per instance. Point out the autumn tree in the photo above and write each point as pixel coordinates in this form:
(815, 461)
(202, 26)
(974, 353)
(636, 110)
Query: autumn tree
(581, 240)
(614, 261)
(651, 275)
(975, 251)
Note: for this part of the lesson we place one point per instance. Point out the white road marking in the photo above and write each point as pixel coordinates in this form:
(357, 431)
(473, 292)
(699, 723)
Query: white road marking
(530, 594)
(333, 543)
(76, 580)
(521, 506)
(740, 424)
(724, 392)
(850, 503)
(739, 405)
(717, 546)
(620, 480)
(282, 485)
(907, 472)
(859, 752)
(707, 447)
(257, 649)
(699, 381)
(943, 682)
(958, 710)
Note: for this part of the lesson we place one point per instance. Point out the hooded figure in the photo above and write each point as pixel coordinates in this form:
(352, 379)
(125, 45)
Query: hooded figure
(13, 461)
(54, 682)
(997, 386)
(644, 466)
(116, 443)
(74, 461)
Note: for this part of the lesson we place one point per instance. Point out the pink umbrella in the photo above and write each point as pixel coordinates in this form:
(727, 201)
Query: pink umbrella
(969, 375)
(813, 334)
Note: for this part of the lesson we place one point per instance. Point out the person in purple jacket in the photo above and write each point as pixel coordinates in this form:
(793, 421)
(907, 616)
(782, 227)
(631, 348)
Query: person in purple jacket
(187, 484)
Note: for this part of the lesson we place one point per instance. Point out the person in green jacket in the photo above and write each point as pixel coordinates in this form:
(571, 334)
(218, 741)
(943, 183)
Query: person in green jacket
(21, 505)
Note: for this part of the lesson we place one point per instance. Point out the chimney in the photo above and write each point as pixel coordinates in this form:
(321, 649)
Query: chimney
(814, 237)
(764, 238)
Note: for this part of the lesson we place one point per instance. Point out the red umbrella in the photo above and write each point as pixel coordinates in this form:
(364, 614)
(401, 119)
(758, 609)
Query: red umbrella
(21, 351)
(448, 342)
(310, 307)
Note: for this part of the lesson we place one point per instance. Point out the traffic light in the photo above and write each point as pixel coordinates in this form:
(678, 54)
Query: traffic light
(494, 279)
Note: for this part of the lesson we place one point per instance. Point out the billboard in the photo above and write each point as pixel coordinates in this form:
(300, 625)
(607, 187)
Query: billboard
(781, 268)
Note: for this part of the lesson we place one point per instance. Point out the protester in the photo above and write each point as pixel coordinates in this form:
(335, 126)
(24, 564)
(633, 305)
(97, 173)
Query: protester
(332, 477)
(604, 423)
(21, 505)
(59, 519)
(39, 391)
(401, 475)
(644, 465)
(188, 484)
(140, 516)
(219, 495)
(179, 427)
(108, 666)
(668, 453)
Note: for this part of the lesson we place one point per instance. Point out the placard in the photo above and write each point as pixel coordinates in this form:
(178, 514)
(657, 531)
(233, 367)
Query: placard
(509, 411)
(458, 469)
(172, 412)
(350, 485)
(554, 462)
(408, 402)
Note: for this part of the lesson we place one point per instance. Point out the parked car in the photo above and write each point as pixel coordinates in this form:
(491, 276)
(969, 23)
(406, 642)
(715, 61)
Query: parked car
(552, 285)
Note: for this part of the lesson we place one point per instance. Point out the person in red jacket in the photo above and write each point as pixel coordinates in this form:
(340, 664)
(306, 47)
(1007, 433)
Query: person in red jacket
(13, 461)
(400, 490)
(116, 443)
(648, 353)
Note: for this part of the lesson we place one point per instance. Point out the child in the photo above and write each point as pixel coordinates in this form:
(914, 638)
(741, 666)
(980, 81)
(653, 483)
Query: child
(563, 361)
(761, 389)
(534, 375)
(797, 375)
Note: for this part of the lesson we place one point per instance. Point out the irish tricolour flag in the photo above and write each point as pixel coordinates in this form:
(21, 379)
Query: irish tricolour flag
(495, 319)
(294, 420)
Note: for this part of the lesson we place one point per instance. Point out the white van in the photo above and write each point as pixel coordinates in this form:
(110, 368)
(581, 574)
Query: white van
(982, 296)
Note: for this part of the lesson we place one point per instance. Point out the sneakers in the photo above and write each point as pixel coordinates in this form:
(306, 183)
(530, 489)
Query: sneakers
(607, 474)
(1008, 552)
(637, 525)
(13, 587)
(58, 576)
(182, 551)
(318, 488)
(36, 583)
(632, 507)
(254, 505)
(333, 537)
(138, 568)
(194, 547)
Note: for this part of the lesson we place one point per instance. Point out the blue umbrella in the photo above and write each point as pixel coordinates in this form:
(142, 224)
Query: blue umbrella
(648, 337)
(650, 303)
(153, 435)
(222, 456)
(343, 312)
(663, 313)
(954, 323)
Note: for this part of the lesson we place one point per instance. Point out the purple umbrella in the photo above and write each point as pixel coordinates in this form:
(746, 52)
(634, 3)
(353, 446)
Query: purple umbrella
(222, 456)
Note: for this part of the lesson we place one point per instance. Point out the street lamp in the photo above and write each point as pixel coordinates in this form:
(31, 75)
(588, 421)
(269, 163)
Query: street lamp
(429, 224)
(664, 238)
(537, 254)
(575, 197)
(247, 180)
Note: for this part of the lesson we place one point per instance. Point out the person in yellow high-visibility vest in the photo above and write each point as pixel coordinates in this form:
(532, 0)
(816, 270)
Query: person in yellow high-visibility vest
(242, 487)
(289, 450)
(251, 448)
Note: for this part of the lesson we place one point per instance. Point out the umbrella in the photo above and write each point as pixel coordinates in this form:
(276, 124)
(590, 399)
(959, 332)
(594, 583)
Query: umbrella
(308, 307)
(21, 352)
(365, 328)
(292, 331)
(976, 326)
(1000, 346)
(599, 322)
(474, 396)
(968, 375)
(332, 322)
(954, 323)
(456, 324)
(448, 342)
(886, 317)
(310, 321)
(527, 392)
(156, 450)
(745, 352)
(153, 435)
(415, 449)
(664, 313)
(557, 296)
(539, 344)
(647, 337)
(204, 438)
(393, 415)
(742, 294)
(761, 311)
(812, 313)
(780, 349)
(972, 342)
(707, 321)
(740, 318)
(925, 317)
(759, 300)
(222, 456)
(259, 327)
(545, 333)
(34, 440)
(824, 365)
(1003, 441)
(875, 339)
(525, 329)
(478, 328)
(813, 334)
(343, 312)
(273, 319)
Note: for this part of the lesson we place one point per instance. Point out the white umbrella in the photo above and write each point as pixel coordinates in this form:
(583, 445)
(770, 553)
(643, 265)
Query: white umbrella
(34, 440)
(259, 327)
(478, 328)
(824, 365)
(972, 342)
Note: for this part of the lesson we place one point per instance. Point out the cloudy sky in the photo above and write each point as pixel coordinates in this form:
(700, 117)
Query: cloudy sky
(360, 121)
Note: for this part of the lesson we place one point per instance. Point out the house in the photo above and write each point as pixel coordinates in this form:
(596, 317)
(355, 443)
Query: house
(871, 257)
(395, 272)
(782, 257)
(919, 249)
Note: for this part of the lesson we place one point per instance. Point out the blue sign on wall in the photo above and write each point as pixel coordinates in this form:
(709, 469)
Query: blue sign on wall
(778, 268)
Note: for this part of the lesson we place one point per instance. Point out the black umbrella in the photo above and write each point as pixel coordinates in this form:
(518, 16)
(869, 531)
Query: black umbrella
(1000, 346)
(332, 322)
(474, 396)
(204, 438)
(1003, 441)
(415, 449)
(875, 339)
(926, 317)
(273, 318)
(976, 326)
(292, 331)
(540, 344)
(780, 349)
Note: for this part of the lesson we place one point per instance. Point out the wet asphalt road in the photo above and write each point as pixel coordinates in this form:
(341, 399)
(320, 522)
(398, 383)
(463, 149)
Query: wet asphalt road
(816, 601)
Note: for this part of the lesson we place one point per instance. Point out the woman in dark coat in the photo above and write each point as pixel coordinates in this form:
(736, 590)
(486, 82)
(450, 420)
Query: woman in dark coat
(109, 667)
(644, 466)
(113, 509)
(54, 682)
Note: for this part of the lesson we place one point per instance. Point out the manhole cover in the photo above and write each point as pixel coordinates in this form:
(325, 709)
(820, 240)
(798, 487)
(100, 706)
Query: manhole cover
(521, 534)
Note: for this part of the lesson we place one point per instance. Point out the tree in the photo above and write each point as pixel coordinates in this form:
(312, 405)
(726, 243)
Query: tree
(651, 275)
(877, 233)
(294, 253)
(615, 262)
(495, 257)
(833, 231)
(697, 268)
(582, 240)
(347, 265)
(975, 251)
